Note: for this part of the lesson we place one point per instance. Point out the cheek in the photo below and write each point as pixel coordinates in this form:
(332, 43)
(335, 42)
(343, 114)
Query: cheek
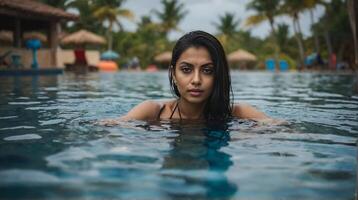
(181, 80)
(210, 82)
(181, 85)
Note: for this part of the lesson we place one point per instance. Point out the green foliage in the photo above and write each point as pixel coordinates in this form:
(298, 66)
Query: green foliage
(335, 24)
(265, 10)
(145, 43)
(105, 10)
(87, 20)
(227, 24)
(171, 15)
(291, 62)
(55, 3)
(282, 35)
(150, 39)
(111, 3)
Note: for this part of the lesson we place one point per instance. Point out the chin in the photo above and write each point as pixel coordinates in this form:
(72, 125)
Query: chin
(196, 100)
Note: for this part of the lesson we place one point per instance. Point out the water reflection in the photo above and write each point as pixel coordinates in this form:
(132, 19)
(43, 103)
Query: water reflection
(314, 158)
(196, 163)
(23, 123)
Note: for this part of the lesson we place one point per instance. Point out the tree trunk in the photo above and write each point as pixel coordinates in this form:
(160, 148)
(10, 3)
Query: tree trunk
(329, 46)
(352, 6)
(314, 33)
(341, 51)
(299, 42)
(276, 44)
(329, 14)
(109, 36)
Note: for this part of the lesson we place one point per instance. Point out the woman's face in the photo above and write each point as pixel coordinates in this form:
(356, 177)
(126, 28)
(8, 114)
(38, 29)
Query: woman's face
(194, 74)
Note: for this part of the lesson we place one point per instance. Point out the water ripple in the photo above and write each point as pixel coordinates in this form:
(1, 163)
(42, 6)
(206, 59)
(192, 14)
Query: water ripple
(23, 137)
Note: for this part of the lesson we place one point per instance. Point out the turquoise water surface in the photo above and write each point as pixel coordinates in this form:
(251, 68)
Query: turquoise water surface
(51, 146)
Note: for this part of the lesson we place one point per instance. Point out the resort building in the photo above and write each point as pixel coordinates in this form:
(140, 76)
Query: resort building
(27, 19)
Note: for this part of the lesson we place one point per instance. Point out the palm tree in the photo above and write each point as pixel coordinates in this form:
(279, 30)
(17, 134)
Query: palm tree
(227, 28)
(293, 9)
(265, 10)
(310, 5)
(172, 14)
(353, 15)
(152, 42)
(329, 17)
(86, 20)
(282, 35)
(110, 11)
(227, 24)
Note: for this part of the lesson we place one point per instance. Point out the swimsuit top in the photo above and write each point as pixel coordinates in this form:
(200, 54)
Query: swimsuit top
(162, 108)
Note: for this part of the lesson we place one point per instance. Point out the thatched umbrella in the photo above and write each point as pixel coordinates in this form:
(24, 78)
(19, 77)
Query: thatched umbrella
(241, 56)
(164, 57)
(6, 36)
(35, 35)
(61, 35)
(82, 37)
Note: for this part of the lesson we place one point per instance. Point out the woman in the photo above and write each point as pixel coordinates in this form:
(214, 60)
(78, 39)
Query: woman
(200, 78)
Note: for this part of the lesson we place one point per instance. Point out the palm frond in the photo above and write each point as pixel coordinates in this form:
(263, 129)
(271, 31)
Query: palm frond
(255, 20)
(125, 13)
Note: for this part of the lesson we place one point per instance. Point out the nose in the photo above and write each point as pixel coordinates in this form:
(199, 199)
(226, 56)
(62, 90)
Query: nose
(196, 78)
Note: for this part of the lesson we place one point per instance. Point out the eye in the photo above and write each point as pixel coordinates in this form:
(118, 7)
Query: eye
(208, 70)
(185, 69)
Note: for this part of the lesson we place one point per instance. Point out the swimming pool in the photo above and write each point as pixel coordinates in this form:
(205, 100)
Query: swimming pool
(51, 147)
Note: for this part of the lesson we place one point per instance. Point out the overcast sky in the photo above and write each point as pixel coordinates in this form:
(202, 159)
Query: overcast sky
(203, 13)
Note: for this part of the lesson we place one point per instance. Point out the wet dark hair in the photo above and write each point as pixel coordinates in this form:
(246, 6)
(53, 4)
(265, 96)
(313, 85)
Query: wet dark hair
(218, 106)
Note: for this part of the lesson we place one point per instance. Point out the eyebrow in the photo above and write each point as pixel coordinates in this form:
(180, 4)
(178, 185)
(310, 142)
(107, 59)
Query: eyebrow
(191, 65)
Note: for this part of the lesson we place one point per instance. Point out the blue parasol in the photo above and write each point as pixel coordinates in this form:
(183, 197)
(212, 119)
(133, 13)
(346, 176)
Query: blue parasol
(109, 55)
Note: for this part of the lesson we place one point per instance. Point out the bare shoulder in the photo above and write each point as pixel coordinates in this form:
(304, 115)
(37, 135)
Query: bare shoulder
(246, 111)
(147, 110)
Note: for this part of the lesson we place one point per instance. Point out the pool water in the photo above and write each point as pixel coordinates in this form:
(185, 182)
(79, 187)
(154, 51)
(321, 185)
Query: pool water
(52, 147)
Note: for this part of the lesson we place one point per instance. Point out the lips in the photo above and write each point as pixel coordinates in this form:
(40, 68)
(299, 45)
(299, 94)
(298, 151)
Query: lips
(196, 92)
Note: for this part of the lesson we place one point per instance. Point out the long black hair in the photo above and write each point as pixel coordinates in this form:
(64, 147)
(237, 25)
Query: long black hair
(218, 106)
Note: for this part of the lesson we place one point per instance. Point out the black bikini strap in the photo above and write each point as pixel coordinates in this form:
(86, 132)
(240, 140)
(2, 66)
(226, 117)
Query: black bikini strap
(160, 111)
(179, 111)
(176, 106)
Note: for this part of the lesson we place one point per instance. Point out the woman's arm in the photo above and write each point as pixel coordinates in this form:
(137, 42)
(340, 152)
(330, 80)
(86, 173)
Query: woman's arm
(246, 111)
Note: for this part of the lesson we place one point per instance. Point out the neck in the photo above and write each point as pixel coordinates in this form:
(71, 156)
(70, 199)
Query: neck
(190, 110)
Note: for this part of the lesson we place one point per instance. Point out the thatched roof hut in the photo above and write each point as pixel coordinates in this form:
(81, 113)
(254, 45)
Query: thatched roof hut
(83, 37)
(7, 36)
(33, 8)
(21, 16)
(241, 56)
(241, 59)
(164, 57)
